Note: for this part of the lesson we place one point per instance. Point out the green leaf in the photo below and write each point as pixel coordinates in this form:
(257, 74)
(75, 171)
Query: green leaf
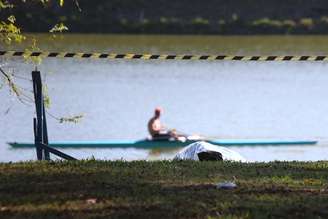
(12, 19)
(58, 28)
(74, 119)
(5, 4)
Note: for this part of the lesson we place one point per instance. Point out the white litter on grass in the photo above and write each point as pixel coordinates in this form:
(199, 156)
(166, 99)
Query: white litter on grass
(191, 152)
(226, 185)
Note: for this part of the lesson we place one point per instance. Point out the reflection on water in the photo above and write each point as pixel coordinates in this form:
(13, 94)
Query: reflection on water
(216, 99)
(252, 154)
(234, 45)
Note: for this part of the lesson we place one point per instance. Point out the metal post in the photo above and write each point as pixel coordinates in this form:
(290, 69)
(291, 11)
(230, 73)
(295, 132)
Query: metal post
(37, 88)
(56, 152)
(40, 124)
(45, 134)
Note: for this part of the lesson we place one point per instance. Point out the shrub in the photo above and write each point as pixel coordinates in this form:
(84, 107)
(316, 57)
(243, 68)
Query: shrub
(266, 22)
(289, 23)
(199, 21)
(306, 22)
(221, 22)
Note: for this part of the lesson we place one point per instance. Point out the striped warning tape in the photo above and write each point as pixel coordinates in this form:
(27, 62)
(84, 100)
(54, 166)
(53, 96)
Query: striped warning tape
(159, 57)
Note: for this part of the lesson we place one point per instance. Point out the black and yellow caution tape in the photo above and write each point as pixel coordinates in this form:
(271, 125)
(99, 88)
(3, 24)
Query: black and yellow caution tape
(158, 57)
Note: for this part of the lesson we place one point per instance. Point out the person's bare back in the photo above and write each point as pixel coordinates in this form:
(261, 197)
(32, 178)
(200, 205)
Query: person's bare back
(155, 127)
(159, 132)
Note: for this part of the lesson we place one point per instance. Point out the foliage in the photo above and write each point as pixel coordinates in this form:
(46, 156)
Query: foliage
(200, 21)
(307, 22)
(74, 119)
(5, 4)
(58, 28)
(267, 22)
(324, 19)
(33, 48)
(139, 16)
(289, 23)
(9, 80)
(10, 34)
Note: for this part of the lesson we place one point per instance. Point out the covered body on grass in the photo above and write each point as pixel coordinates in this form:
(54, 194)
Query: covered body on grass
(205, 151)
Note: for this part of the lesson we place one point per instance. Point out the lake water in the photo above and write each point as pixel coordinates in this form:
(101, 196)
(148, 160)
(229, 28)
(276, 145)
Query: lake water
(223, 99)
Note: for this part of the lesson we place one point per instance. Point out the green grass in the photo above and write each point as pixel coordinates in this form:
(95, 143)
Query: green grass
(99, 189)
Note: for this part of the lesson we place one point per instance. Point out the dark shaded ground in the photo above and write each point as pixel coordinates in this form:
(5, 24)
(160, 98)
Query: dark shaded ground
(98, 189)
(175, 17)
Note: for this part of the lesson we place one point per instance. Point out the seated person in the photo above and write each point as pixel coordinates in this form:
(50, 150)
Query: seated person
(157, 130)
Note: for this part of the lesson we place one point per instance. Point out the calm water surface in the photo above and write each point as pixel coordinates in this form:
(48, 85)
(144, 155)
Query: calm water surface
(216, 99)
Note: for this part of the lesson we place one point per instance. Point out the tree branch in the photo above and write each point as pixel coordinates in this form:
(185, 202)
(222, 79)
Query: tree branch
(5, 74)
(12, 85)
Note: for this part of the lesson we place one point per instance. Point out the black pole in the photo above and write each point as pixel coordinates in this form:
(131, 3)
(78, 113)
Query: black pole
(57, 152)
(37, 88)
(40, 124)
(36, 140)
(45, 134)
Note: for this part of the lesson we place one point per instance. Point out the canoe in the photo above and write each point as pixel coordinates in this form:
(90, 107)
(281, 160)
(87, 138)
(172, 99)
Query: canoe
(145, 143)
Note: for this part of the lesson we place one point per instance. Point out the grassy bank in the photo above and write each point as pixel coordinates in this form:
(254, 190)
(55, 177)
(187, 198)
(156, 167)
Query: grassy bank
(96, 189)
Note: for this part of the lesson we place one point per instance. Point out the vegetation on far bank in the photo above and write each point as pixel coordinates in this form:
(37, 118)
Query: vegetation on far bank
(163, 189)
(174, 17)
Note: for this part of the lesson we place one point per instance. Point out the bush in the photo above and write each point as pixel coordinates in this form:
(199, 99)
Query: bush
(199, 21)
(307, 23)
(266, 22)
